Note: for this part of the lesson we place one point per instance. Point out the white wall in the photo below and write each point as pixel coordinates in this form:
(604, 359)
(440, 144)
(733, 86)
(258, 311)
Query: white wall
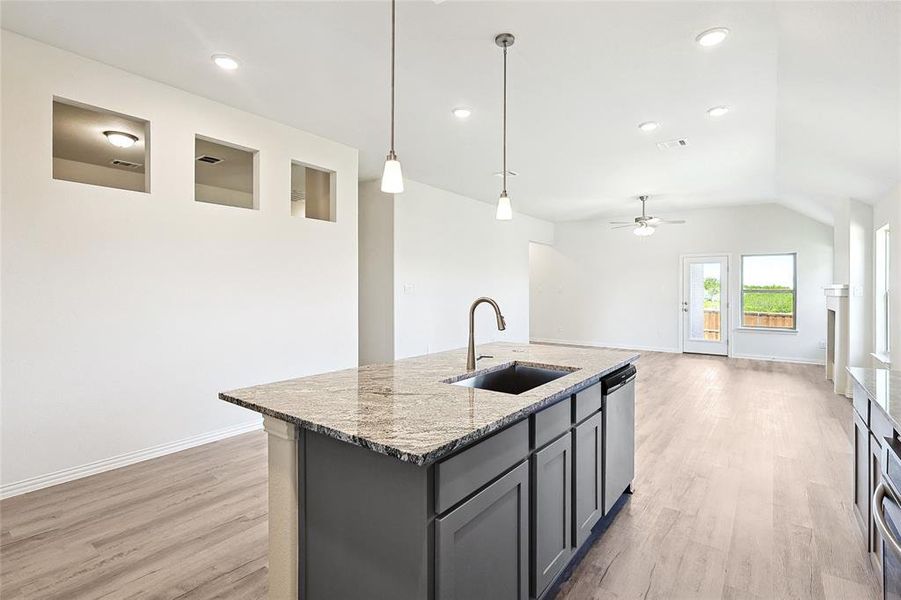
(603, 287)
(125, 313)
(447, 251)
(376, 229)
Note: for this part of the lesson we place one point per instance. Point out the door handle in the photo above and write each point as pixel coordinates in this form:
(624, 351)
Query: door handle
(879, 517)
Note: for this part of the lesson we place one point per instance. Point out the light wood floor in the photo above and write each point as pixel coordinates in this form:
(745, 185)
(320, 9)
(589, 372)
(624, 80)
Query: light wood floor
(742, 491)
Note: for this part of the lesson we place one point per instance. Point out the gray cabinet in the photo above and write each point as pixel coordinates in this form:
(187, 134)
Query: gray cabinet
(481, 547)
(861, 470)
(552, 512)
(588, 462)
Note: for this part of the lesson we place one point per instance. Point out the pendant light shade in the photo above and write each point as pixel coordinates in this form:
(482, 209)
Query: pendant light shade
(504, 208)
(392, 176)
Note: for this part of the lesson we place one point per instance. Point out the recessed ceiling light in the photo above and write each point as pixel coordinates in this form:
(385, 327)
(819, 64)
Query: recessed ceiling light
(648, 126)
(462, 112)
(712, 37)
(717, 111)
(120, 139)
(226, 62)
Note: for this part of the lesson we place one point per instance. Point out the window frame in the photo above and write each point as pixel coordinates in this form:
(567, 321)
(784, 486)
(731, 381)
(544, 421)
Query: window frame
(882, 289)
(741, 293)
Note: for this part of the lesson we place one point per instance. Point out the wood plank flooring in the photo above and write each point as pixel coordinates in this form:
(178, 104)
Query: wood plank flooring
(742, 491)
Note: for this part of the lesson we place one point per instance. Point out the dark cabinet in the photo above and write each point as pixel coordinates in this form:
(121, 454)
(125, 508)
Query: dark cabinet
(482, 545)
(861, 470)
(588, 461)
(552, 512)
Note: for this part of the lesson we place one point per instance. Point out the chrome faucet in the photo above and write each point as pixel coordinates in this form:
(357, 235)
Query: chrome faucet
(501, 325)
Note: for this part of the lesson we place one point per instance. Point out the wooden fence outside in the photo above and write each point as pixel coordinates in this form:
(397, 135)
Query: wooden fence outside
(749, 319)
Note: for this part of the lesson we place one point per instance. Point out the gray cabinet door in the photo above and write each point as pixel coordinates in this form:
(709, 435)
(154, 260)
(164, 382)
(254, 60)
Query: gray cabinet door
(619, 443)
(861, 471)
(588, 463)
(552, 510)
(481, 547)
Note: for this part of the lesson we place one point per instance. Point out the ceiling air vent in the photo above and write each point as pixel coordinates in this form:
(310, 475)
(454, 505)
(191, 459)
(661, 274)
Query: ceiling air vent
(125, 164)
(673, 144)
(210, 160)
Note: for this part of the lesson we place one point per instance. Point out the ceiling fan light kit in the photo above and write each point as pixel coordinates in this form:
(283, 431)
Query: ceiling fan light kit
(644, 225)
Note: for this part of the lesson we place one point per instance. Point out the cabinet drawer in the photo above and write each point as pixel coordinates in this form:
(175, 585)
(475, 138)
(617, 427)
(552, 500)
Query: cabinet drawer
(588, 402)
(861, 403)
(880, 425)
(464, 473)
(552, 422)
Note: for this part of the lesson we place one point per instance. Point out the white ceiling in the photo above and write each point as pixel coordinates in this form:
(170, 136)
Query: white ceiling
(814, 88)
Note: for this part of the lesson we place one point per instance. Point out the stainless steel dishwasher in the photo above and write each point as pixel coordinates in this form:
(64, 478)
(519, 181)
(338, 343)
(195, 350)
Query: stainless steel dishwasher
(887, 516)
(618, 391)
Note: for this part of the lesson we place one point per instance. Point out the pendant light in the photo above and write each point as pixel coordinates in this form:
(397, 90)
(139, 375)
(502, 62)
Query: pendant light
(504, 208)
(392, 176)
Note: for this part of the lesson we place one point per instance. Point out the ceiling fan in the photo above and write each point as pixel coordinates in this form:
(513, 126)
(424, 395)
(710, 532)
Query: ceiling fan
(643, 225)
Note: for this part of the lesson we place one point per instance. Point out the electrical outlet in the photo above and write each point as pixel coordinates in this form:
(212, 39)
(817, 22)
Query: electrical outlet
(409, 288)
(822, 344)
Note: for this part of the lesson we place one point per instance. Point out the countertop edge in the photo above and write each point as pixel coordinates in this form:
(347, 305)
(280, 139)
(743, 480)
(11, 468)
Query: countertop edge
(444, 450)
(895, 423)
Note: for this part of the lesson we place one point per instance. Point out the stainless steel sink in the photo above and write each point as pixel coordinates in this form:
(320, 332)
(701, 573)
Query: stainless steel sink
(513, 379)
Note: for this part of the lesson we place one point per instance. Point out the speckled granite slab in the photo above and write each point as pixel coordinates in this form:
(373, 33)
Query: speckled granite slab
(406, 410)
(884, 388)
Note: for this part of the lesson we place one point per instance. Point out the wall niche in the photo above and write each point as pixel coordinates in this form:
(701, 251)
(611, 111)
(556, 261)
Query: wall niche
(225, 174)
(96, 146)
(312, 192)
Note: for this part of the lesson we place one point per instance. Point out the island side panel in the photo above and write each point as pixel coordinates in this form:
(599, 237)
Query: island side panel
(368, 523)
(284, 459)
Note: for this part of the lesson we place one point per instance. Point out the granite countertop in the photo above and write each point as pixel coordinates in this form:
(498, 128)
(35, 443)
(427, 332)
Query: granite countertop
(884, 388)
(407, 410)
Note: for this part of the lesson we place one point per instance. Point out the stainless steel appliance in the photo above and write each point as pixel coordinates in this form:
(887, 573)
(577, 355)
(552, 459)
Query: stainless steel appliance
(887, 515)
(618, 390)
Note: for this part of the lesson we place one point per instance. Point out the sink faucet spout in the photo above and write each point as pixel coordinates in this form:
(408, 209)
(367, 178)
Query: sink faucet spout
(501, 325)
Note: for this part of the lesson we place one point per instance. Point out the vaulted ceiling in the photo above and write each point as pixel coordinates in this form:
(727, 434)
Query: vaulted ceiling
(814, 88)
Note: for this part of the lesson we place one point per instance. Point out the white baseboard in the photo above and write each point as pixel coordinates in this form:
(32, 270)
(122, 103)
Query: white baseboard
(781, 359)
(129, 458)
(596, 344)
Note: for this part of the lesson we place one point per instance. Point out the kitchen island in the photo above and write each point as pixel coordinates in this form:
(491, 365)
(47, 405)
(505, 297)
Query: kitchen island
(402, 480)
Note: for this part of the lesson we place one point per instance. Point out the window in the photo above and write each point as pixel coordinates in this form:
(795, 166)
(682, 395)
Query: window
(768, 291)
(224, 174)
(99, 147)
(883, 294)
(312, 192)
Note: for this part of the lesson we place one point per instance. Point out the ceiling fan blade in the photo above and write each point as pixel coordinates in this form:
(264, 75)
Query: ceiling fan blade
(622, 222)
(668, 222)
(623, 226)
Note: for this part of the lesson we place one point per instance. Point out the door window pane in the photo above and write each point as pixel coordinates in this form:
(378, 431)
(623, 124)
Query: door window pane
(704, 302)
(768, 291)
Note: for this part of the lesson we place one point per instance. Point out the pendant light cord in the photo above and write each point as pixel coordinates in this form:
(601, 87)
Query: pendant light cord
(392, 77)
(504, 158)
